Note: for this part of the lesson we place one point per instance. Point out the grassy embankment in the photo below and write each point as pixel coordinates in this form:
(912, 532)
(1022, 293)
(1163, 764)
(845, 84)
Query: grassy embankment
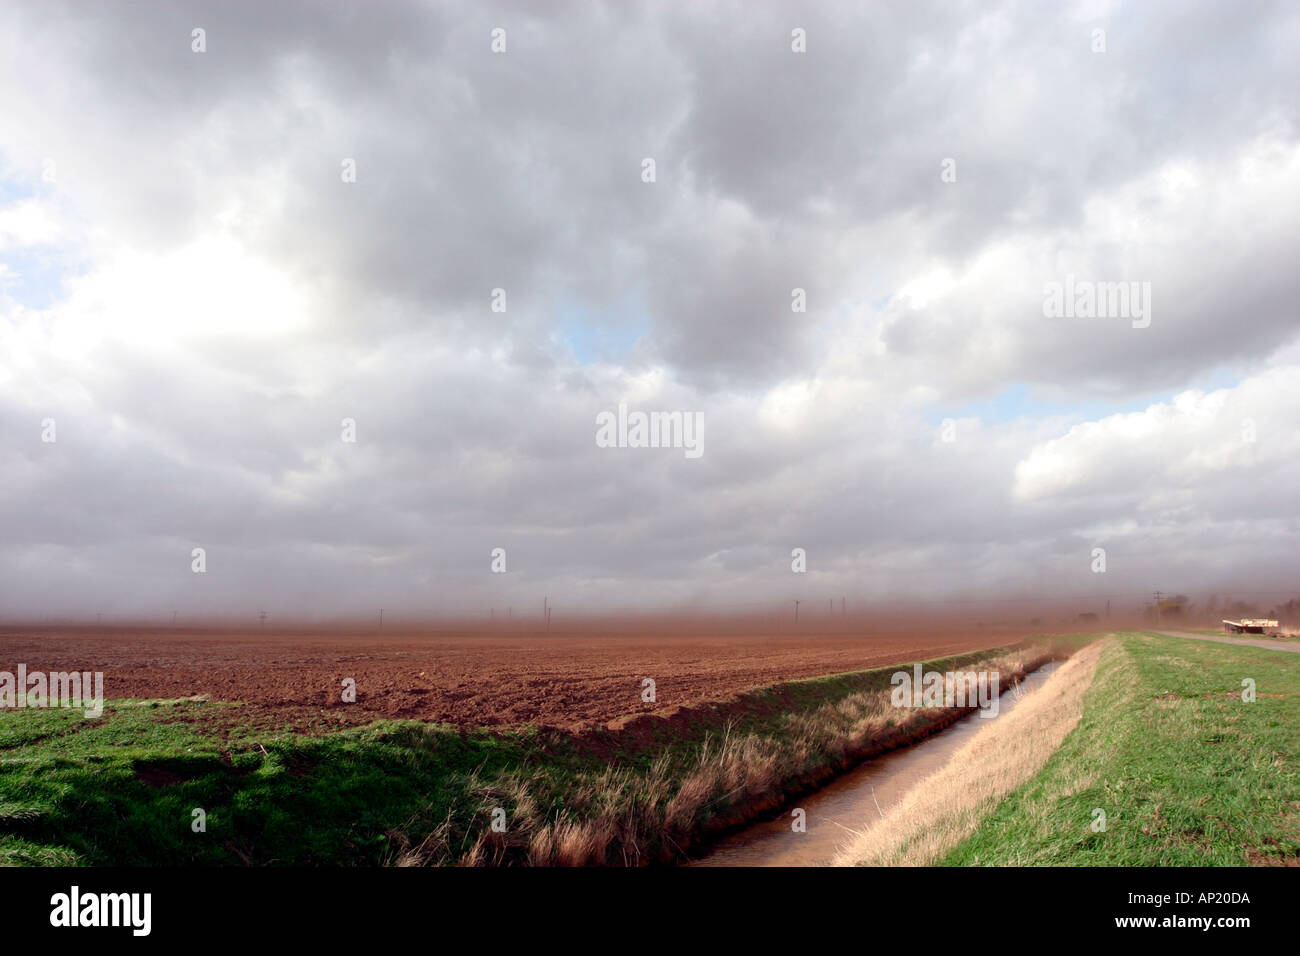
(123, 789)
(1186, 771)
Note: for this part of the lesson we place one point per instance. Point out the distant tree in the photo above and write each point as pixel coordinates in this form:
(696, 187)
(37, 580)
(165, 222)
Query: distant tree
(1176, 607)
(1240, 609)
(1286, 612)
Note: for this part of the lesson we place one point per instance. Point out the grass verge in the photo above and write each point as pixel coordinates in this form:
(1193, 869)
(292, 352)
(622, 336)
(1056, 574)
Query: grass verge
(1185, 771)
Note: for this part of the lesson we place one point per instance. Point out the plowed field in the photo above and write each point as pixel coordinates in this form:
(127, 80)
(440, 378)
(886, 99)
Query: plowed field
(487, 679)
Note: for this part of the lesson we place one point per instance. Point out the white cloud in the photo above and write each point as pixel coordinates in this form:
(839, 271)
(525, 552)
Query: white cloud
(1192, 442)
(30, 222)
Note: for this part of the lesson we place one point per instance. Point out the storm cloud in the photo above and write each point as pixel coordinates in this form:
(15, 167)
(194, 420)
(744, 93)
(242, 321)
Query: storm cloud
(196, 297)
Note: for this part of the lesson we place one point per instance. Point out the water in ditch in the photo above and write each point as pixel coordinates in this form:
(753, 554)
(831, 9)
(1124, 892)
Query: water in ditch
(855, 800)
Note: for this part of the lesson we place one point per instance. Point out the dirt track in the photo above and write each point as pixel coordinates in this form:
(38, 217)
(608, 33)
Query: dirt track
(488, 679)
(1264, 642)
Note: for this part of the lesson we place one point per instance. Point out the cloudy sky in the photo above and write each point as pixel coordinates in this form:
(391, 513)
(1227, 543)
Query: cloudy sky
(195, 294)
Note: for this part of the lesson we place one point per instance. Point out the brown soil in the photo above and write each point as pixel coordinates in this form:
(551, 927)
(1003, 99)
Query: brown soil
(295, 679)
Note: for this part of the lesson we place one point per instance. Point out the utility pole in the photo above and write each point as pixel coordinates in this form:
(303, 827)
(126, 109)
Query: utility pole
(796, 612)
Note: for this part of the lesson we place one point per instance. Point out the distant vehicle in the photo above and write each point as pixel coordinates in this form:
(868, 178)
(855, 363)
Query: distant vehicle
(1250, 625)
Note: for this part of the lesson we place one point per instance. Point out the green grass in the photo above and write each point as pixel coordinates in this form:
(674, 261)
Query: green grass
(122, 789)
(1187, 773)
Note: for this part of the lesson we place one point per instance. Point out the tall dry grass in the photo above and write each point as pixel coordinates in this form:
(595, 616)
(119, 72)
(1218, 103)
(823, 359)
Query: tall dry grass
(946, 807)
(634, 815)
